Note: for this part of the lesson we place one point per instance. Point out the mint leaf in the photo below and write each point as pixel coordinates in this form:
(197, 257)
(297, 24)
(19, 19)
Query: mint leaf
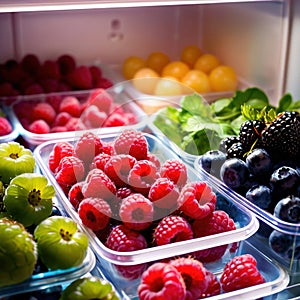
(196, 105)
(284, 103)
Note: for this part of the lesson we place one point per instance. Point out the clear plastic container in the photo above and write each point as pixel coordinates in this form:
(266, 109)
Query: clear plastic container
(119, 96)
(270, 226)
(13, 134)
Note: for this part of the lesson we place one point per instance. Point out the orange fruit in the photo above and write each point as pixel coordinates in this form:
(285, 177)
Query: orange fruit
(145, 80)
(157, 60)
(206, 62)
(190, 54)
(131, 65)
(197, 81)
(223, 78)
(175, 69)
(168, 86)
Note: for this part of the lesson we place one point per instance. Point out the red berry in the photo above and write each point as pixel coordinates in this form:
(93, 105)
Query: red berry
(54, 100)
(96, 75)
(240, 272)
(34, 88)
(132, 142)
(142, 175)
(197, 200)
(136, 212)
(92, 117)
(98, 185)
(39, 127)
(50, 85)
(193, 274)
(31, 64)
(172, 229)
(118, 167)
(50, 69)
(104, 83)
(69, 171)
(60, 150)
(123, 239)
(100, 161)
(71, 105)
(95, 213)
(213, 285)
(62, 119)
(164, 194)
(43, 111)
(75, 194)
(80, 78)
(131, 272)
(5, 126)
(115, 120)
(161, 281)
(153, 158)
(87, 147)
(66, 63)
(102, 100)
(175, 170)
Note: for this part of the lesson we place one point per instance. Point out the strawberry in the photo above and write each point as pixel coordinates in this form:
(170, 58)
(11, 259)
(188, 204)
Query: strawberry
(80, 78)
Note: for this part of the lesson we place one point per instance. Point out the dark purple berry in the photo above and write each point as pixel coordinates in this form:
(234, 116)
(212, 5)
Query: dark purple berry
(288, 209)
(227, 142)
(212, 161)
(260, 195)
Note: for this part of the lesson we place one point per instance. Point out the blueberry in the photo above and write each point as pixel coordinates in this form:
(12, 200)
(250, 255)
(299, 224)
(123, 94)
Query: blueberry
(259, 163)
(260, 195)
(284, 181)
(285, 245)
(211, 162)
(288, 209)
(234, 173)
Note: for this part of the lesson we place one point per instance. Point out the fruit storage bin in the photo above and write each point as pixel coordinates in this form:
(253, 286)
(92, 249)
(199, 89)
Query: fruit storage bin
(245, 221)
(13, 134)
(120, 99)
(287, 234)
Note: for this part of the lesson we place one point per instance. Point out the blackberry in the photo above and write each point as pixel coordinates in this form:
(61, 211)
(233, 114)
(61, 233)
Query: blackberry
(236, 151)
(227, 142)
(282, 137)
(250, 134)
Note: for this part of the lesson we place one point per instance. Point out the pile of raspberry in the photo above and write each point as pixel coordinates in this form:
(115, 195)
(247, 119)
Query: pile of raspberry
(62, 113)
(5, 124)
(31, 76)
(134, 201)
(186, 278)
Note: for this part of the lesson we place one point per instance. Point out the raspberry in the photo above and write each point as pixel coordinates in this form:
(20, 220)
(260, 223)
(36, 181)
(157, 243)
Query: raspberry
(74, 124)
(104, 83)
(39, 127)
(62, 119)
(98, 184)
(92, 117)
(58, 129)
(75, 194)
(60, 150)
(49, 69)
(54, 100)
(161, 281)
(96, 74)
(5, 126)
(217, 222)
(108, 148)
(240, 272)
(118, 168)
(213, 285)
(193, 274)
(136, 212)
(102, 100)
(197, 200)
(164, 193)
(115, 120)
(33, 89)
(95, 213)
(131, 272)
(69, 171)
(43, 111)
(172, 229)
(66, 63)
(100, 161)
(142, 175)
(123, 239)
(31, 64)
(71, 105)
(115, 203)
(154, 159)
(87, 147)
(175, 170)
(133, 143)
(80, 78)
(50, 85)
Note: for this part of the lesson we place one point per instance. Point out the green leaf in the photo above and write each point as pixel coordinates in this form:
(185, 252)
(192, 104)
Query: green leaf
(221, 104)
(196, 105)
(196, 123)
(284, 103)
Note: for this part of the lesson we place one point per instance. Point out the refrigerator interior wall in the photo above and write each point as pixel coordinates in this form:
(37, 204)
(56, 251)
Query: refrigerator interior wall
(252, 37)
